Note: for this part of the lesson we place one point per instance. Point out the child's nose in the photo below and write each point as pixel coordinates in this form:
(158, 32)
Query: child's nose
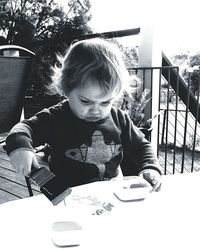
(95, 109)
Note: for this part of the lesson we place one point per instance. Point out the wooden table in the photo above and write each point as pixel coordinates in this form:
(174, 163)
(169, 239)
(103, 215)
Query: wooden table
(168, 219)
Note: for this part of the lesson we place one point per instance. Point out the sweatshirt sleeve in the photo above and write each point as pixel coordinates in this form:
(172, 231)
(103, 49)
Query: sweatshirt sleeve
(32, 132)
(136, 147)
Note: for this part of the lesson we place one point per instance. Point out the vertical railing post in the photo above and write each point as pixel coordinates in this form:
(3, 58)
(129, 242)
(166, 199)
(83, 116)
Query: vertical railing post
(149, 55)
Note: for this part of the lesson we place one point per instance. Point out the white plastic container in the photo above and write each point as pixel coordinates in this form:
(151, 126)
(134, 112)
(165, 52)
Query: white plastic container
(132, 188)
(66, 233)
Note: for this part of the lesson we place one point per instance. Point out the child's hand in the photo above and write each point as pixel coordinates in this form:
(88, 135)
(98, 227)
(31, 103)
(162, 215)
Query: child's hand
(153, 177)
(22, 161)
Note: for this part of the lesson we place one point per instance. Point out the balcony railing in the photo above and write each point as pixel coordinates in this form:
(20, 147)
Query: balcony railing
(178, 122)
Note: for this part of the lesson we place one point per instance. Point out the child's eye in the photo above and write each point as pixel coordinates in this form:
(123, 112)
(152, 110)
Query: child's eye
(85, 101)
(105, 103)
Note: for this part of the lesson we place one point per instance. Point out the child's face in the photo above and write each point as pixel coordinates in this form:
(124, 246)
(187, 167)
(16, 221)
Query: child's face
(90, 102)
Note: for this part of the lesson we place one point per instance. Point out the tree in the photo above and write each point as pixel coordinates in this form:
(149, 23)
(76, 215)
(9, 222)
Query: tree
(22, 21)
(186, 61)
(195, 76)
(44, 27)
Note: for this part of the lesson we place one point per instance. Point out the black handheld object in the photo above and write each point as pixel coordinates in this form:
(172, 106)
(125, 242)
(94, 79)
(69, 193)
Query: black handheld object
(51, 186)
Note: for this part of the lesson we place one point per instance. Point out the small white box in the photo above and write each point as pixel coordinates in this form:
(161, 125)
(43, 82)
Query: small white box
(132, 188)
(66, 233)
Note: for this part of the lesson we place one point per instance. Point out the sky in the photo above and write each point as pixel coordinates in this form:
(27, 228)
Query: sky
(176, 21)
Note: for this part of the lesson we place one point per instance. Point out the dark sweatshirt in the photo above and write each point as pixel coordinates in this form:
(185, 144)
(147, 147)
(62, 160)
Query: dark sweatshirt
(82, 151)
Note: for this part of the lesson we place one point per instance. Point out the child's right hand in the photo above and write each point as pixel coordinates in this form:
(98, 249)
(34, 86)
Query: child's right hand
(22, 160)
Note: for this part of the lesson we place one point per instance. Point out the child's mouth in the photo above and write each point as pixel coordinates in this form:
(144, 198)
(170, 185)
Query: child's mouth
(92, 119)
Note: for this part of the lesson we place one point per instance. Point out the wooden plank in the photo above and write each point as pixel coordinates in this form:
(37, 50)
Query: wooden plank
(5, 197)
(5, 164)
(12, 185)
(15, 188)
(7, 172)
(14, 178)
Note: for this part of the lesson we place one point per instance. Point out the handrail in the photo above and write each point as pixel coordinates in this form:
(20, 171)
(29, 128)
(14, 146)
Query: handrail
(109, 34)
(181, 87)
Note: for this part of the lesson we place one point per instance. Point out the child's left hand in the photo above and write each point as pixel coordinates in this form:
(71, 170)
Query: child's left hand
(153, 177)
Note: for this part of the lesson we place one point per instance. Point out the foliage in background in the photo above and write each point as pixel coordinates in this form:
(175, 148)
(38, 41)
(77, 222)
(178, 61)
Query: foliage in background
(130, 56)
(186, 62)
(45, 28)
(195, 76)
(134, 103)
(24, 21)
(137, 107)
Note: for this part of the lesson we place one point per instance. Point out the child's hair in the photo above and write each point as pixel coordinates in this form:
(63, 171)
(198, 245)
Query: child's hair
(97, 58)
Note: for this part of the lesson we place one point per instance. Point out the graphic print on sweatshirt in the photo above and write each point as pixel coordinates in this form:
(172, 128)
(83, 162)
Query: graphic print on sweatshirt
(98, 153)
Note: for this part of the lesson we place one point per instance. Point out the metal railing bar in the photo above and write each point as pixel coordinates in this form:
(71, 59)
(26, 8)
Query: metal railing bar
(167, 119)
(178, 122)
(152, 72)
(180, 110)
(177, 131)
(182, 116)
(189, 125)
(152, 68)
(186, 120)
(163, 127)
(195, 128)
(170, 133)
(158, 138)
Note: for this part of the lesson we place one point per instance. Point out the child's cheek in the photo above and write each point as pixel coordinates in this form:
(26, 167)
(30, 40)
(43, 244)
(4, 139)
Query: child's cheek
(83, 111)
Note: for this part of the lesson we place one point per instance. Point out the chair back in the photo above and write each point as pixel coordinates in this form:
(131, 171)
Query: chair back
(15, 67)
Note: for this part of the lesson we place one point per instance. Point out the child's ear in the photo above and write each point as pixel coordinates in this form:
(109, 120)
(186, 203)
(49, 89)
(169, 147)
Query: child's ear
(66, 93)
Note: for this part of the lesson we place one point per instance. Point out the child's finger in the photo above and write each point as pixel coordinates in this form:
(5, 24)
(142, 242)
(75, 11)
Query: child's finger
(157, 186)
(153, 179)
(147, 176)
(35, 162)
(26, 171)
(20, 170)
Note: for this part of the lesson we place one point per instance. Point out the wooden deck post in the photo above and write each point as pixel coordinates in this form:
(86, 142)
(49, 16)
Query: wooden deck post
(149, 55)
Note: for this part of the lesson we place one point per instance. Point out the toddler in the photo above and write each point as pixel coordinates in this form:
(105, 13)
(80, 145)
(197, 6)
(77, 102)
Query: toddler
(90, 138)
